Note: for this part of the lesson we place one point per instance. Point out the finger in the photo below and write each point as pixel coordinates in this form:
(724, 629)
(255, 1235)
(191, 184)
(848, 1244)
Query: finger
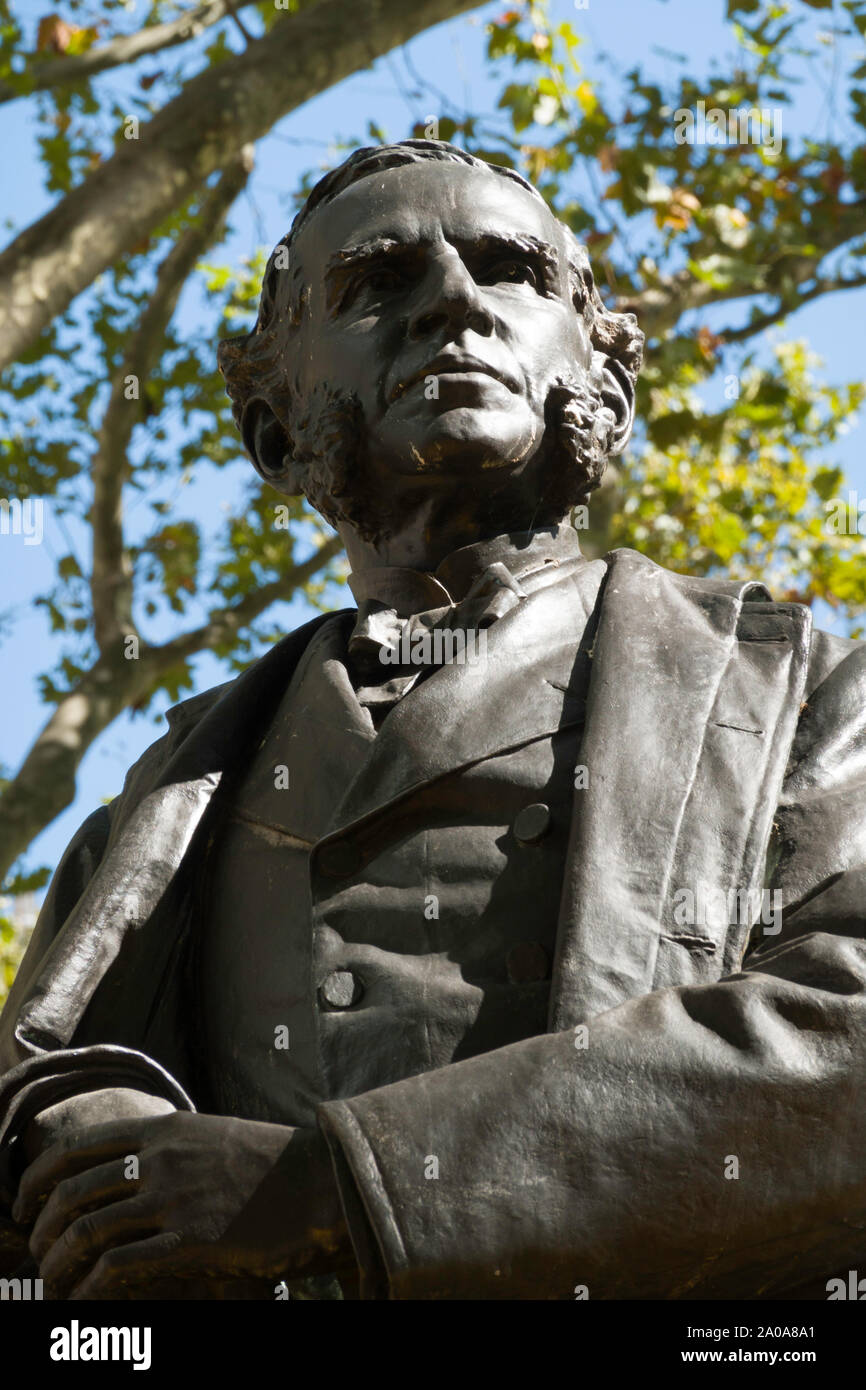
(75, 1196)
(83, 1243)
(119, 1272)
(73, 1154)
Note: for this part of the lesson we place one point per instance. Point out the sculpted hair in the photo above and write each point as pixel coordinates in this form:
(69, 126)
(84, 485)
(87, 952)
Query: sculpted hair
(253, 364)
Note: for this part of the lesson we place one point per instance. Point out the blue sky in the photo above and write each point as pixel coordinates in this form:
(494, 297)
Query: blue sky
(641, 32)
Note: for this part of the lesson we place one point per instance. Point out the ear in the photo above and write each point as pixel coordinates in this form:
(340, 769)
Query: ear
(269, 447)
(618, 395)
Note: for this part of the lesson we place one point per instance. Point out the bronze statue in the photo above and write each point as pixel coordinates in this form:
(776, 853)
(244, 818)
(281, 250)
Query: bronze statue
(531, 972)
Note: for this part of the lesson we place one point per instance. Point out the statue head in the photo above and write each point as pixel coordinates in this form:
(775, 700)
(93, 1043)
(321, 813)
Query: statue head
(428, 328)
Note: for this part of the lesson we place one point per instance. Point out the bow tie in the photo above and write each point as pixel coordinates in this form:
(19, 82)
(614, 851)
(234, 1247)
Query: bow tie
(390, 651)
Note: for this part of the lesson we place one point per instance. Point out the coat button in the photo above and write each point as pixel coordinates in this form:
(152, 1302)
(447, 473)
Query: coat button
(532, 823)
(340, 858)
(340, 990)
(527, 962)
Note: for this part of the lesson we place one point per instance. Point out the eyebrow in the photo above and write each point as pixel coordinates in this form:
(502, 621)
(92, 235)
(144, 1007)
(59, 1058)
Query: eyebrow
(341, 265)
(350, 258)
(363, 251)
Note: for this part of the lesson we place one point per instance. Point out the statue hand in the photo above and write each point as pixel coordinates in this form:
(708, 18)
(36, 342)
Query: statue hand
(181, 1197)
(76, 1113)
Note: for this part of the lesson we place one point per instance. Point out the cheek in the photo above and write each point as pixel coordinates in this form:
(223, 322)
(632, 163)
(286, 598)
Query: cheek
(353, 357)
(556, 345)
(571, 342)
(365, 327)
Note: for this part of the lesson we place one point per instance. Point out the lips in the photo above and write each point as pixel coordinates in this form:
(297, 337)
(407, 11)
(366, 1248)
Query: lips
(448, 363)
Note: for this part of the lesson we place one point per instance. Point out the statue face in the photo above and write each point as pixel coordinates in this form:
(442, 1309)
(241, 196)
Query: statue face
(439, 299)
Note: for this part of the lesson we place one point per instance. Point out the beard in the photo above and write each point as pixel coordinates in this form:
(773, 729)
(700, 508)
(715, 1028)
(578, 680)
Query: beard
(578, 440)
(330, 459)
(330, 463)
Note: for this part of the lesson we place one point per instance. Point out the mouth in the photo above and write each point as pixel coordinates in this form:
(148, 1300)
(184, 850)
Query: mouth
(447, 364)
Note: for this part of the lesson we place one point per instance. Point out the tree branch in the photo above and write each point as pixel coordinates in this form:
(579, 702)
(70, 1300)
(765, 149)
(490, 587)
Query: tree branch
(661, 305)
(111, 575)
(225, 623)
(784, 308)
(45, 783)
(242, 28)
(218, 112)
(48, 74)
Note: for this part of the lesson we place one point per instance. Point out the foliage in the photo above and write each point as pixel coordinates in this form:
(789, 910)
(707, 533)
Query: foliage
(13, 944)
(732, 465)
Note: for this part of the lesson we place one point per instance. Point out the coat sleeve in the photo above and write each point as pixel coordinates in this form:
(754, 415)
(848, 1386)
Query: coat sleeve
(83, 856)
(80, 861)
(706, 1142)
(75, 870)
(33, 1079)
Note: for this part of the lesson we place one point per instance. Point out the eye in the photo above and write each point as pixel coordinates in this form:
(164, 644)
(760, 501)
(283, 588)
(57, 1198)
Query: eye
(509, 270)
(375, 282)
(384, 279)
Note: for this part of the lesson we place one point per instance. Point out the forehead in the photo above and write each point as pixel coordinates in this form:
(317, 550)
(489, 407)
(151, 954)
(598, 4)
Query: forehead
(426, 202)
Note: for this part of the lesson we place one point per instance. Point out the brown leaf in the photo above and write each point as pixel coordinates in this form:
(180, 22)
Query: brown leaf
(709, 342)
(54, 34)
(678, 213)
(833, 177)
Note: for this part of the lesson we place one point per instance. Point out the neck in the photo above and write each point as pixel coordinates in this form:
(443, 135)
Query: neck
(436, 527)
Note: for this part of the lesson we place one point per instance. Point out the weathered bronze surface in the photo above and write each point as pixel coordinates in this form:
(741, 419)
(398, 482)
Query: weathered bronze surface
(502, 937)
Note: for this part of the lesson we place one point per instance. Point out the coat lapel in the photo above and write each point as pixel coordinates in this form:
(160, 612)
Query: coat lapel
(692, 705)
(320, 734)
(524, 687)
(131, 884)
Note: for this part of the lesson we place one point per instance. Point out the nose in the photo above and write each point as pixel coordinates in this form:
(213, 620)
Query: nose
(449, 298)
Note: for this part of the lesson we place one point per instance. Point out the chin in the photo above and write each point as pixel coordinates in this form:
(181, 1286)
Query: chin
(460, 441)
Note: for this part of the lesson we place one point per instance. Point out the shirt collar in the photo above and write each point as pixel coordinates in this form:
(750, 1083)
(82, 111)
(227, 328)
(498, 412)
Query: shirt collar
(410, 591)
